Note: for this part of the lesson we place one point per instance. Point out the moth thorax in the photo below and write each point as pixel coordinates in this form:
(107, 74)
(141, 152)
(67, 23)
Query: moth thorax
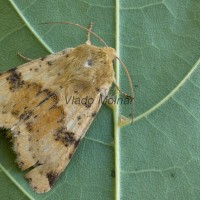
(110, 52)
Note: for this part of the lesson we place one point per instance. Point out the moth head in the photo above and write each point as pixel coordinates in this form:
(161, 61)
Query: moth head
(90, 56)
(90, 59)
(110, 52)
(99, 58)
(92, 65)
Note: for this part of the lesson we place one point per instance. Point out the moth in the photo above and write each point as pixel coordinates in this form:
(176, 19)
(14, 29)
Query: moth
(45, 129)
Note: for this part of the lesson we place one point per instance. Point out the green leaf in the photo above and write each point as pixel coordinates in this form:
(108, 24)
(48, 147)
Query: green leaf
(156, 157)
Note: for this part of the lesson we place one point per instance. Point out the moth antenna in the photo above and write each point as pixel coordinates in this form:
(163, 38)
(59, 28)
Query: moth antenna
(123, 93)
(80, 26)
(130, 84)
(88, 42)
(101, 40)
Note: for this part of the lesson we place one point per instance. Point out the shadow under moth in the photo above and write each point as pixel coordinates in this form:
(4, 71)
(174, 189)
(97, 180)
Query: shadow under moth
(45, 129)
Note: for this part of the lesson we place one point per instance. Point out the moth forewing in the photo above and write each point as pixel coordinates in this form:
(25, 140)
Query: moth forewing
(46, 128)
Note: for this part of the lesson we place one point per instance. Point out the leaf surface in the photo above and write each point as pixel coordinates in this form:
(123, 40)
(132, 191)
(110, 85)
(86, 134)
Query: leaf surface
(156, 157)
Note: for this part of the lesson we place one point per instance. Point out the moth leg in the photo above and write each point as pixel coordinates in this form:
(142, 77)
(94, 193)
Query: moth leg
(88, 42)
(24, 57)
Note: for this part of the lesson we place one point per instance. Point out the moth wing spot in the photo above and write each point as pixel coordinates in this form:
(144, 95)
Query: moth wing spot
(15, 80)
(97, 89)
(76, 143)
(15, 112)
(94, 114)
(64, 136)
(52, 178)
(79, 118)
(50, 63)
(70, 156)
(88, 63)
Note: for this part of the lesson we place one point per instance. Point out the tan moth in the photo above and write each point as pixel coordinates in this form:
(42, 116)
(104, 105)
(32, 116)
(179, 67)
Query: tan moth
(34, 104)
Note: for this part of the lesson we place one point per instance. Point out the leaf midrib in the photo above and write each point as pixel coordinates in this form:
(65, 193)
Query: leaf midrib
(116, 110)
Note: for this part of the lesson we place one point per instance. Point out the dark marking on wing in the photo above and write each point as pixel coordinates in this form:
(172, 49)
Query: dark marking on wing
(17, 133)
(50, 63)
(66, 137)
(70, 155)
(69, 138)
(76, 143)
(35, 188)
(15, 112)
(54, 97)
(97, 89)
(94, 114)
(29, 126)
(46, 91)
(52, 178)
(79, 118)
(41, 102)
(20, 164)
(14, 79)
(26, 115)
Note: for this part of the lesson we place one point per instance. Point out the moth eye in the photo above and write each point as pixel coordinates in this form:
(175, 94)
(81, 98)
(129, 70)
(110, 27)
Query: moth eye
(88, 63)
